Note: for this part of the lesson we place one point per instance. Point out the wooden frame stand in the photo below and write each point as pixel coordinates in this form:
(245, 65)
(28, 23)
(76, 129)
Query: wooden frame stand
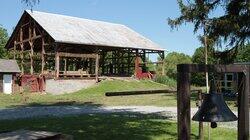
(183, 96)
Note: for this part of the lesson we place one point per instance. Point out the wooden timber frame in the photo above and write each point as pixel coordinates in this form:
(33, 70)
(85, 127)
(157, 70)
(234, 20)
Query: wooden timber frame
(38, 53)
(183, 96)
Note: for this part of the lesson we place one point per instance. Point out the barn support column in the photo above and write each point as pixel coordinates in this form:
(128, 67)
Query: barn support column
(57, 61)
(128, 61)
(163, 63)
(65, 65)
(136, 61)
(31, 58)
(97, 67)
(22, 49)
(43, 53)
(14, 50)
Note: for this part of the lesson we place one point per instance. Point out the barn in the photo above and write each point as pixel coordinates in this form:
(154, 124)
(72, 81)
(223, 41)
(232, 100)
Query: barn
(62, 47)
(8, 76)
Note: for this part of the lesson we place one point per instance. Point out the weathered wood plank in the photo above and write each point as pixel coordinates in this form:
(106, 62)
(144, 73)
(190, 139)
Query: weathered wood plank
(43, 55)
(28, 39)
(57, 63)
(192, 68)
(77, 55)
(183, 105)
(243, 105)
(22, 49)
(97, 68)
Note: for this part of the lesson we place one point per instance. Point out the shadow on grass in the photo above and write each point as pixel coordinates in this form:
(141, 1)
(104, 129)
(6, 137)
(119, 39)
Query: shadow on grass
(102, 126)
(59, 103)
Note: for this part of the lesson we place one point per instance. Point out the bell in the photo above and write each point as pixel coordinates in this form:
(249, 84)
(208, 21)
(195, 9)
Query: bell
(214, 109)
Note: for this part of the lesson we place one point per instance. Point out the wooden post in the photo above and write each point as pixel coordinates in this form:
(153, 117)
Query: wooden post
(103, 61)
(128, 61)
(136, 62)
(163, 63)
(43, 53)
(31, 51)
(22, 49)
(14, 50)
(31, 58)
(97, 67)
(201, 131)
(243, 105)
(65, 65)
(57, 61)
(183, 104)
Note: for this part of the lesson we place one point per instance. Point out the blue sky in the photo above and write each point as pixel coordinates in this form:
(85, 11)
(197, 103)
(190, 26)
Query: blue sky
(148, 17)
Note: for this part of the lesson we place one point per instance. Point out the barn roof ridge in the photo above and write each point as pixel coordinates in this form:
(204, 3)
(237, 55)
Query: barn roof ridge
(78, 30)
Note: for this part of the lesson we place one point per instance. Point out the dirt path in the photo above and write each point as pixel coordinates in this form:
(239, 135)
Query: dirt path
(59, 111)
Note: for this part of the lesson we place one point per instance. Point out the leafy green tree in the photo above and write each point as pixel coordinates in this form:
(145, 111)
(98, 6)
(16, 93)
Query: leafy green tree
(171, 61)
(30, 3)
(232, 27)
(243, 54)
(3, 41)
(198, 57)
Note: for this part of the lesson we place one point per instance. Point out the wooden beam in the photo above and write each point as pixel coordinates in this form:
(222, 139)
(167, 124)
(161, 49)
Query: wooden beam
(57, 62)
(193, 68)
(14, 51)
(97, 68)
(144, 92)
(21, 45)
(43, 55)
(28, 39)
(65, 65)
(31, 58)
(201, 129)
(62, 54)
(243, 105)
(183, 106)
(163, 63)
(31, 51)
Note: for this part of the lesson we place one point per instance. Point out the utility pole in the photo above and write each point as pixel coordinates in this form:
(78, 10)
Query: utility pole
(206, 62)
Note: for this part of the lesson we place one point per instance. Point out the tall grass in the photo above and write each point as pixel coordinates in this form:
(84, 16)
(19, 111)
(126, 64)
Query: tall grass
(165, 80)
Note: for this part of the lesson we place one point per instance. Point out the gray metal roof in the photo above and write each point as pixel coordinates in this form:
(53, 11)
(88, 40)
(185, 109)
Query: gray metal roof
(75, 30)
(9, 66)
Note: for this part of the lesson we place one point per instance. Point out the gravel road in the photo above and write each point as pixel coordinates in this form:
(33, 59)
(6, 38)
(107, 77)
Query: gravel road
(59, 111)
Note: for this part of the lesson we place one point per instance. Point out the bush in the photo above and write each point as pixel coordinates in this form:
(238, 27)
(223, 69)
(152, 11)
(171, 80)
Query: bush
(165, 80)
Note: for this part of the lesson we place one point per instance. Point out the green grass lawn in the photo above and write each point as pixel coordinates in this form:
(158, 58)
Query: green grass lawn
(95, 96)
(113, 126)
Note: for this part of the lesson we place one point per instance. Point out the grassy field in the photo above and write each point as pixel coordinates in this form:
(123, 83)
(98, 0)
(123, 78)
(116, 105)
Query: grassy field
(95, 96)
(113, 126)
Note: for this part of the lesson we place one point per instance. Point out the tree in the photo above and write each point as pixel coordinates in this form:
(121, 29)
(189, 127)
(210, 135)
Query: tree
(198, 57)
(171, 61)
(233, 27)
(3, 41)
(243, 54)
(30, 3)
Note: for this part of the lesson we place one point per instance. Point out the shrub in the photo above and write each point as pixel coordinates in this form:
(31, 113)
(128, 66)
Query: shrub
(165, 80)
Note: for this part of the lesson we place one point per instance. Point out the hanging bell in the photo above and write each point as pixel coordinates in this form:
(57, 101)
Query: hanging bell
(214, 109)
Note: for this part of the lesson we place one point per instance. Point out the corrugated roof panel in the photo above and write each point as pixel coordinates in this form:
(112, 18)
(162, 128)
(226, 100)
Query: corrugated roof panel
(9, 66)
(84, 31)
